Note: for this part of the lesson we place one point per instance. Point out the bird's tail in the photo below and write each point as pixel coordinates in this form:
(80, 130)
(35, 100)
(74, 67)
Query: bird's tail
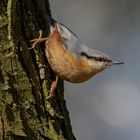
(51, 21)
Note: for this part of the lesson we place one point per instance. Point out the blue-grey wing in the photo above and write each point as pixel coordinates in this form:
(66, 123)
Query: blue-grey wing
(74, 44)
(71, 41)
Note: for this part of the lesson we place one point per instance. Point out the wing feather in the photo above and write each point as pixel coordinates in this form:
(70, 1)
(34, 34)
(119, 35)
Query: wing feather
(74, 44)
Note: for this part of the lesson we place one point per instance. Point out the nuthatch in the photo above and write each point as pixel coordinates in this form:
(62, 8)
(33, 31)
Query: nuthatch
(69, 57)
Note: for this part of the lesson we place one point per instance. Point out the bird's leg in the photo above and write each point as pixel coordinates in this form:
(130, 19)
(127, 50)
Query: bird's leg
(53, 88)
(38, 40)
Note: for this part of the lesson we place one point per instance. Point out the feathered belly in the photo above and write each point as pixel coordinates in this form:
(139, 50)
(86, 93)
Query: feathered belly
(67, 66)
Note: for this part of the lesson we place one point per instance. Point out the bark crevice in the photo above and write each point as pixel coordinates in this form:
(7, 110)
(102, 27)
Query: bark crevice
(25, 77)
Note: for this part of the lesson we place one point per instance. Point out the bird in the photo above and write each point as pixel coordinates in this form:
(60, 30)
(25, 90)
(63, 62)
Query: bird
(69, 57)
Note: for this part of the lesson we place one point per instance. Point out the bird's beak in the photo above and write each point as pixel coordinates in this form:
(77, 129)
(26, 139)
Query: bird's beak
(114, 62)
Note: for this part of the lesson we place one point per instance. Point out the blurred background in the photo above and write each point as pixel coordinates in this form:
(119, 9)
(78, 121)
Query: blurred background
(107, 107)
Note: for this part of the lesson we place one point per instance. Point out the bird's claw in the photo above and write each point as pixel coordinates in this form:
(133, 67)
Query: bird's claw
(51, 92)
(38, 40)
(50, 95)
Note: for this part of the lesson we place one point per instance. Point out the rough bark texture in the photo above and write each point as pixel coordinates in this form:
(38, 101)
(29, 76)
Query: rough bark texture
(25, 77)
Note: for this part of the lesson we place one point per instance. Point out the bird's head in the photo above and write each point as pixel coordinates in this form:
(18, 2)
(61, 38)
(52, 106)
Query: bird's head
(99, 61)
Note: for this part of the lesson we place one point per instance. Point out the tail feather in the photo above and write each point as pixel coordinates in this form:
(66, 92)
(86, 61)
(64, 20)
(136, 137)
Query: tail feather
(51, 21)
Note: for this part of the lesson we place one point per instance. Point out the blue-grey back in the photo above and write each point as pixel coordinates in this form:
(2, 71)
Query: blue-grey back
(74, 44)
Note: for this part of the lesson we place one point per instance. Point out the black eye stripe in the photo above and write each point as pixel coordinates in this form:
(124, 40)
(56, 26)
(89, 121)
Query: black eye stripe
(101, 59)
(89, 57)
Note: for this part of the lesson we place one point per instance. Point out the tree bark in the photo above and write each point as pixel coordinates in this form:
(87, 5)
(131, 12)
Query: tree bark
(25, 77)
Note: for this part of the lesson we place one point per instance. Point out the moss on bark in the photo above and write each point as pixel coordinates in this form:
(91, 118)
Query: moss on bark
(25, 77)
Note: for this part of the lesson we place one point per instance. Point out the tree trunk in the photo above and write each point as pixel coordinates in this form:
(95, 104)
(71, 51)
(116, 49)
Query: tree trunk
(25, 77)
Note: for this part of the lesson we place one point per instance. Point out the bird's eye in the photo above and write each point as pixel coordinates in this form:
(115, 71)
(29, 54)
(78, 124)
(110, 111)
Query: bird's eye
(95, 58)
(101, 59)
(98, 59)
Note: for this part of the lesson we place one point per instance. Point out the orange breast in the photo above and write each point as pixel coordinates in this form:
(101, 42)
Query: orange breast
(64, 63)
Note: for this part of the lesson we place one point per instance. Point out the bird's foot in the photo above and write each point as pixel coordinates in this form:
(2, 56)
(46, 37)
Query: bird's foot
(53, 88)
(38, 40)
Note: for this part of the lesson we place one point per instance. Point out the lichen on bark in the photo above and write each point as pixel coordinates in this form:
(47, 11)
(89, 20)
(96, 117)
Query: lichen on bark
(25, 77)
